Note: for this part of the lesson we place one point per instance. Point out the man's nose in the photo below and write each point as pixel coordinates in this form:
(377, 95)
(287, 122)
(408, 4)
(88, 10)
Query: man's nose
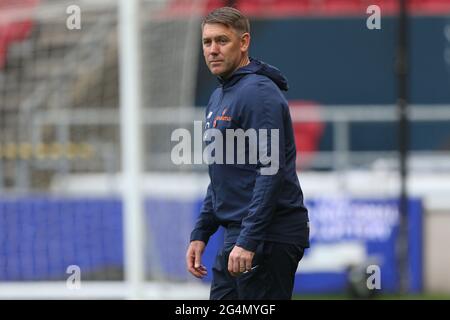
(214, 48)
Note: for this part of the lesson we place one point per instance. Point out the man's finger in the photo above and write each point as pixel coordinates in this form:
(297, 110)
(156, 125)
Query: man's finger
(193, 259)
(202, 270)
(230, 263)
(189, 259)
(198, 259)
(236, 265)
(195, 273)
(198, 272)
(242, 264)
(248, 264)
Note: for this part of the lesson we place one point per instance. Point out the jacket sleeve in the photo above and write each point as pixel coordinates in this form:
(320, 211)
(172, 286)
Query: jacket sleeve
(264, 108)
(207, 224)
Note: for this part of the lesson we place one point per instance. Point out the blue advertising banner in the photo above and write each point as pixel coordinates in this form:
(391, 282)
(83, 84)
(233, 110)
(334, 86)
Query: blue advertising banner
(40, 237)
(348, 234)
(353, 233)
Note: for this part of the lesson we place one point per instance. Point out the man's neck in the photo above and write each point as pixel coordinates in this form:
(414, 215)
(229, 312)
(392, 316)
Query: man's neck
(244, 62)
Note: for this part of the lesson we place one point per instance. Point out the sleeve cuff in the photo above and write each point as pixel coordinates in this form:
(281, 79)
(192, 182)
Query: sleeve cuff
(247, 244)
(200, 235)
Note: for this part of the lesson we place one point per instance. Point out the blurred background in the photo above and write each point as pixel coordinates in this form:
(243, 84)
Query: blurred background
(67, 80)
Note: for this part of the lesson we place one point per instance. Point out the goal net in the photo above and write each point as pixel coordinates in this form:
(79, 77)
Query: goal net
(62, 209)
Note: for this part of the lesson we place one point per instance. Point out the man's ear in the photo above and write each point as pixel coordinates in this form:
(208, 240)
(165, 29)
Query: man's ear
(245, 41)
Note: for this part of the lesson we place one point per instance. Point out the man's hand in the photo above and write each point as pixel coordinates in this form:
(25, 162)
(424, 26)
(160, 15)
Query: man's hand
(239, 261)
(194, 258)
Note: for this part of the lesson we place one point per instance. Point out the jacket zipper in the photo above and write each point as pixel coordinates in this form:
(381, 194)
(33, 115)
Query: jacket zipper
(213, 119)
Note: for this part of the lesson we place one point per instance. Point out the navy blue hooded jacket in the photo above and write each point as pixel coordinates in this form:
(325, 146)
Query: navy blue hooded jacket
(261, 207)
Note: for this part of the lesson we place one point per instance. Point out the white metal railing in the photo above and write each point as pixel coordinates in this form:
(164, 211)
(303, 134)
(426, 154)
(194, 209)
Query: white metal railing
(161, 120)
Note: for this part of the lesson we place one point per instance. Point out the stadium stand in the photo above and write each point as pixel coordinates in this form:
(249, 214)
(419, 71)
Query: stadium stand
(47, 74)
(283, 8)
(46, 68)
(15, 31)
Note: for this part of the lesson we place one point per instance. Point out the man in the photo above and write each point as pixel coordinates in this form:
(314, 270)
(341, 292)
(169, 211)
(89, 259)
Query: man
(265, 220)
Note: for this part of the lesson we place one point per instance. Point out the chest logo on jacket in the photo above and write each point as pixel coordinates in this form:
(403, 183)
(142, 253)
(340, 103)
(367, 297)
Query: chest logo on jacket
(223, 117)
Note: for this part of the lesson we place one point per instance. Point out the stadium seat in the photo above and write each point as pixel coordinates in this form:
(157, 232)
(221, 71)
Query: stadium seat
(307, 134)
(214, 4)
(342, 7)
(15, 30)
(429, 6)
(283, 8)
(274, 7)
(388, 6)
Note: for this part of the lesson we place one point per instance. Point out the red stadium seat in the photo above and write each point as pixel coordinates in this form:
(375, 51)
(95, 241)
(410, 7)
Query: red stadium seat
(185, 7)
(387, 6)
(307, 134)
(281, 8)
(11, 31)
(342, 7)
(214, 4)
(274, 7)
(429, 6)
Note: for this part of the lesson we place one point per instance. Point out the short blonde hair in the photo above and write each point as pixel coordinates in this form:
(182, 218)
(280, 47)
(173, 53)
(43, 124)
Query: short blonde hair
(230, 17)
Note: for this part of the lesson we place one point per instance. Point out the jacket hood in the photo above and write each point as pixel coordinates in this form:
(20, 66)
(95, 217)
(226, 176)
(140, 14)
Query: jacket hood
(258, 67)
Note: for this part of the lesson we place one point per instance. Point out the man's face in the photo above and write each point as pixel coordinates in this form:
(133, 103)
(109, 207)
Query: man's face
(223, 48)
